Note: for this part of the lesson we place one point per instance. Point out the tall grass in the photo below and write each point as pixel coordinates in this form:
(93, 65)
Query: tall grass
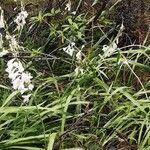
(104, 105)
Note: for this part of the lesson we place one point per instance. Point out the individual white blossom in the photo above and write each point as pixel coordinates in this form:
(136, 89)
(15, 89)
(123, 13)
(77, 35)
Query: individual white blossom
(21, 20)
(13, 75)
(14, 67)
(70, 49)
(20, 79)
(30, 87)
(74, 12)
(26, 98)
(68, 6)
(19, 85)
(26, 77)
(109, 50)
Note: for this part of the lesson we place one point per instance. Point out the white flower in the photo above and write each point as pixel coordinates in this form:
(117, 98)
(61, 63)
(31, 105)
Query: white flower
(19, 66)
(20, 20)
(70, 49)
(16, 83)
(109, 50)
(74, 12)
(19, 85)
(22, 89)
(68, 6)
(14, 67)
(10, 62)
(30, 87)
(10, 66)
(13, 75)
(26, 77)
(26, 98)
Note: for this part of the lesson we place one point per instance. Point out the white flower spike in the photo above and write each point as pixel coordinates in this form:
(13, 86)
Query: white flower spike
(20, 80)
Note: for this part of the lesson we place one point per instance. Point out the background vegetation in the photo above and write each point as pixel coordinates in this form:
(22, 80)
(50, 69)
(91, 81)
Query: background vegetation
(97, 100)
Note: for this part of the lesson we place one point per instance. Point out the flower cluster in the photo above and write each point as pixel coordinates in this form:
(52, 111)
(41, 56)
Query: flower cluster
(68, 6)
(20, 80)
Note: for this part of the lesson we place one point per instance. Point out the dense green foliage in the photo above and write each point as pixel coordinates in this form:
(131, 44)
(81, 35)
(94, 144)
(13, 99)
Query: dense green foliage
(97, 101)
